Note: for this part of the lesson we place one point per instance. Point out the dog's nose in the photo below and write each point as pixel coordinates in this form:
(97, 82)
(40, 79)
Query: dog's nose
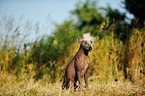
(90, 48)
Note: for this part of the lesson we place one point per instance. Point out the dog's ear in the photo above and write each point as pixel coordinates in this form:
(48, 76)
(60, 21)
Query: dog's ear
(94, 39)
(80, 39)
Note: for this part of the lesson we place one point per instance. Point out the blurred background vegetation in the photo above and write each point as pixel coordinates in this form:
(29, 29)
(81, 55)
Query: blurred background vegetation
(119, 53)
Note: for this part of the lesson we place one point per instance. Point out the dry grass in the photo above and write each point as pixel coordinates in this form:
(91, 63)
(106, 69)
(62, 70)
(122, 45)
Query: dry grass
(26, 85)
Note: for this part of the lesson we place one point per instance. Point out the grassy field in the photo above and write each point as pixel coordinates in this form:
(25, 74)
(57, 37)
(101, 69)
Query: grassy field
(36, 68)
(26, 85)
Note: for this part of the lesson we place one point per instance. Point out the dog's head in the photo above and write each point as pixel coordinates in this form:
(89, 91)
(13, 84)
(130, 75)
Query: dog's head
(87, 41)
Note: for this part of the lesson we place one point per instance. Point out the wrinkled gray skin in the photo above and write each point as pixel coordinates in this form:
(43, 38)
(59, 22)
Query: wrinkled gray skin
(79, 65)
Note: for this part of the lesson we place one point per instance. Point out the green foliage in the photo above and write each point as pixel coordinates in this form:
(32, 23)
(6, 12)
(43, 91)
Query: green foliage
(114, 15)
(117, 19)
(87, 14)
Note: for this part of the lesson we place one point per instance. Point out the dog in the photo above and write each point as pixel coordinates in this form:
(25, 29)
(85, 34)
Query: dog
(79, 65)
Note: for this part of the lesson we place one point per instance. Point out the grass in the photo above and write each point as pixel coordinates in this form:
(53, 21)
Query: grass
(26, 85)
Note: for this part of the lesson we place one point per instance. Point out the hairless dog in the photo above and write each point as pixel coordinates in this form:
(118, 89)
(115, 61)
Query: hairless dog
(80, 63)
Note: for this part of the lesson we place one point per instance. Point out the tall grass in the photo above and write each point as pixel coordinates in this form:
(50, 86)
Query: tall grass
(110, 58)
(134, 55)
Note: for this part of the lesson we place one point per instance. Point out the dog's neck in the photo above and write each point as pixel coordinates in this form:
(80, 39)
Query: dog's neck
(83, 50)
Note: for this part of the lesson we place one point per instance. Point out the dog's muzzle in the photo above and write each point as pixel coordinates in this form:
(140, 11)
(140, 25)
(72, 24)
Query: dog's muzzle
(90, 48)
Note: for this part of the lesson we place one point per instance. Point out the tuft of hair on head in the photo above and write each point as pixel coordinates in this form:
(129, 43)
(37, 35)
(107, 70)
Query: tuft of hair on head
(86, 36)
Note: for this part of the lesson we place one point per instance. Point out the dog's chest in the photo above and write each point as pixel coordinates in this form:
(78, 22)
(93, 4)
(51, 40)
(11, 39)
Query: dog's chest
(83, 62)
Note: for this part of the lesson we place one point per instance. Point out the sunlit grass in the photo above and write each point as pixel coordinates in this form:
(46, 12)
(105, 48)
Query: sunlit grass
(29, 86)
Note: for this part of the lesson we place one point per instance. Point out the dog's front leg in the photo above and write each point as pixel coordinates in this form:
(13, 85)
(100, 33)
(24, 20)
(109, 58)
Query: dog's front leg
(86, 78)
(79, 79)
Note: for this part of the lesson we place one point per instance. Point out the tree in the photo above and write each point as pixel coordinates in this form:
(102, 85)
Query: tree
(115, 15)
(117, 19)
(87, 14)
(137, 8)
